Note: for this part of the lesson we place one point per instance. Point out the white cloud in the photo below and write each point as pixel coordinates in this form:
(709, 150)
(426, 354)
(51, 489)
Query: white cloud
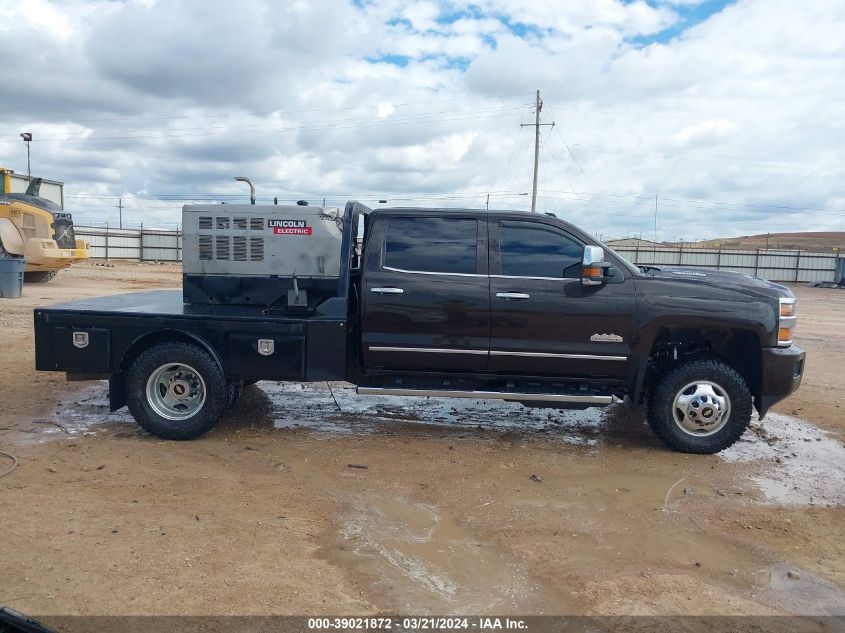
(385, 109)
(741, 111)
(704, 133)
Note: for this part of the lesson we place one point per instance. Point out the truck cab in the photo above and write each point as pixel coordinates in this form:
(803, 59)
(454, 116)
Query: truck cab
(494, 293)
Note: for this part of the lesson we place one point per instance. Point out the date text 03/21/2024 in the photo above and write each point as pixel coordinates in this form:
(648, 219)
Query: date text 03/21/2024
(418, 623)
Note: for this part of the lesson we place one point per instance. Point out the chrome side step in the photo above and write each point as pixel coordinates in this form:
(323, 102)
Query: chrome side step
(488, 395)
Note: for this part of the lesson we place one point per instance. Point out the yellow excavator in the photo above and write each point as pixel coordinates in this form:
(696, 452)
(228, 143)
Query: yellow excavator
(38, 230)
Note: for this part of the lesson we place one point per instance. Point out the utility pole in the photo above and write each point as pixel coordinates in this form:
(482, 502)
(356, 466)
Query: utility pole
(488, 201)
(119, 207)
(536, 125)
(655, 212)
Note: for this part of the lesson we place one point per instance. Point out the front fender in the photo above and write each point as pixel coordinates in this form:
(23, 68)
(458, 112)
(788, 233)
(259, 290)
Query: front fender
(658, 313)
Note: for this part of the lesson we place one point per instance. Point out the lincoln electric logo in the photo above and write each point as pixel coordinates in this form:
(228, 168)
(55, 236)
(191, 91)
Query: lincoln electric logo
(289, 227)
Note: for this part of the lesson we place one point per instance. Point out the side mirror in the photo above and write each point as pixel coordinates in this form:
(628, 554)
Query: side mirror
(593, 266)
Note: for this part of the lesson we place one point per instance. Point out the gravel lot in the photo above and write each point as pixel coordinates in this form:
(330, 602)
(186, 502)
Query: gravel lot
(462, 507)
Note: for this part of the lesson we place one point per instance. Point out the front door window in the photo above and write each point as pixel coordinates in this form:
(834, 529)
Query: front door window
(534, 250)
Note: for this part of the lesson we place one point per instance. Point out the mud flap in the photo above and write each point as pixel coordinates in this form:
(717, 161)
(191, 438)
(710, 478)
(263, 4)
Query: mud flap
(117, 397)
(762, 408)
(632, 400)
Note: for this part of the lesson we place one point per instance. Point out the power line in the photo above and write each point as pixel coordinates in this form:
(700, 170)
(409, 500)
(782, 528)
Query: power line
(269, 112)
(265, 125)
(697, 117)
(613, 198)
(434, 117)
(516, 146)
(712, 158)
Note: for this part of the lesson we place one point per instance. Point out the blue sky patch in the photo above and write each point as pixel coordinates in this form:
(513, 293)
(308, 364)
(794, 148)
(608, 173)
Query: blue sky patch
(389, 58)
(689, 15)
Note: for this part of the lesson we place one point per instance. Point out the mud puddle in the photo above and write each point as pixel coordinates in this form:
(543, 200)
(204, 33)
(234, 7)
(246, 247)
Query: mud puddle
(614, 516)
(793, 462)
(417, 558)
(796, 590)
(337, 408)
(456, 556)
(790, 461)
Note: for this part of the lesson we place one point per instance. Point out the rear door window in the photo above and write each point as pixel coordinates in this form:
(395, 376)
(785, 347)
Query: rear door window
(528, 249)
(432, 244)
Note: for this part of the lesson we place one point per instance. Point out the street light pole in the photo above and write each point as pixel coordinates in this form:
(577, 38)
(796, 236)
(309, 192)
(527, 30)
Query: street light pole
(27, 138)
(251, 187)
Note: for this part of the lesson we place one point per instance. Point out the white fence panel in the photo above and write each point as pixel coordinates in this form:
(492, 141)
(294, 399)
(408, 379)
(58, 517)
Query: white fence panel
(774, 264)
(137, 244)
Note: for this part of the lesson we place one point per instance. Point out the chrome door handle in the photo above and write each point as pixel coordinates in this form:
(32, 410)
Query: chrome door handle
(387, 291)
(513, 295)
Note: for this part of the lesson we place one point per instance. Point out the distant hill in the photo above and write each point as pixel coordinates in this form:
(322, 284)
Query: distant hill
(807, 241)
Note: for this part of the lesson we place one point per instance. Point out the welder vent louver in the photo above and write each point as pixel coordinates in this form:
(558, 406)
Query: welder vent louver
(239, 224)
(256, 224)
(206, 246)
(205, 222)
(222, 223)
(221, 247)
(256, 249)
(239, 248)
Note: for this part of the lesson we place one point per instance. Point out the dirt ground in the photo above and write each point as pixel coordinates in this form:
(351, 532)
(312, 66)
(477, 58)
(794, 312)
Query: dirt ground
(312, 500)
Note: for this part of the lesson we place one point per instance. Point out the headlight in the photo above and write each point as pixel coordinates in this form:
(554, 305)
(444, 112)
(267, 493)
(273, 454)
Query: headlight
(786, 321)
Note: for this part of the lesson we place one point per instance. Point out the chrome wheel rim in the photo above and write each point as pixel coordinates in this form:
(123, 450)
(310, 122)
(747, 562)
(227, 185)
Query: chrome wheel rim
(701, 408)
(176, 391)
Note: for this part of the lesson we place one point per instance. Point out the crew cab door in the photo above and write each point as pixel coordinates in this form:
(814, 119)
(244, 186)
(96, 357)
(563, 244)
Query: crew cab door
(426, 293)
(543, 320)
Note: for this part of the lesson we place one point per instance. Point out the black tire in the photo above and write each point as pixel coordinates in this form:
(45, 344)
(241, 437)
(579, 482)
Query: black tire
(660, 409)
(39, 276)
(217, 391)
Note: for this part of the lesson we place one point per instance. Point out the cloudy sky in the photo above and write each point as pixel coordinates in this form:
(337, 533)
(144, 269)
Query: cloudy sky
(731, 114)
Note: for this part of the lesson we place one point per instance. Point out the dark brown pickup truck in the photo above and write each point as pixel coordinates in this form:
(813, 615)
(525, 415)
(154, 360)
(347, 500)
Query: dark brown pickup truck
(451, 303)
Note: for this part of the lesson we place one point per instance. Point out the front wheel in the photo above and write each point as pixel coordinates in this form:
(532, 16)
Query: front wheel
(702, 406)
(176, 391)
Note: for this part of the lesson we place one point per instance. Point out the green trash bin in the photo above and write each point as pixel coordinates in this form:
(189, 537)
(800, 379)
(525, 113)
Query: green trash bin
(11, 277)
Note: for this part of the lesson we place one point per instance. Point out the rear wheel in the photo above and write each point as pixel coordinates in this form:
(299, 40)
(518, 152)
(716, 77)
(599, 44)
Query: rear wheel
(701, 406)
(176, 391)
(39, 276)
